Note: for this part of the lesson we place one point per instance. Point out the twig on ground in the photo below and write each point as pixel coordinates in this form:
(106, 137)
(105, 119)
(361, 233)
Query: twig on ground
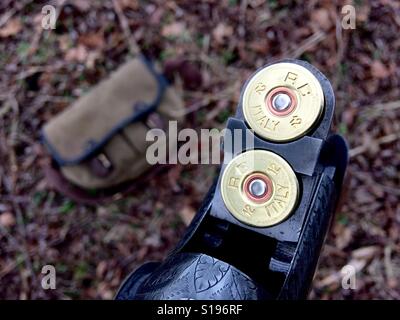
(379, 108)
(5, 108)
(242, 18)
(306, 45)
(341, 47)
(390, 277)
(205, 101)
(24, 246)
(12, 140)
(133, 47)
(383, 140)
(6, 16)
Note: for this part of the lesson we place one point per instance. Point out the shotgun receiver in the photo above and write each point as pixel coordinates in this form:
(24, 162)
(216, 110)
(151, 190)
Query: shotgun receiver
(260, 229)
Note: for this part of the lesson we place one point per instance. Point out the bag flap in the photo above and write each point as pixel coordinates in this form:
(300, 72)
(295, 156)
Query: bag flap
(130, 94)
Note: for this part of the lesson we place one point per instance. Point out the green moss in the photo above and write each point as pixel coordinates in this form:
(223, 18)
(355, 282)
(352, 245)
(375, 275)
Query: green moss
(66, 207)
(22, 49)
(342, 128)
(228, 57)
(81, 270)
(342, 219)
(224, 115)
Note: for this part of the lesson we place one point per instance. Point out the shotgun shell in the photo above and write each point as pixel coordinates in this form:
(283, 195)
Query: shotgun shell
(283, 102)
(259, 188)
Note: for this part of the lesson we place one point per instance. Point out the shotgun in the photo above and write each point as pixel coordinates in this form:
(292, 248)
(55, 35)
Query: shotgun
(261, 227)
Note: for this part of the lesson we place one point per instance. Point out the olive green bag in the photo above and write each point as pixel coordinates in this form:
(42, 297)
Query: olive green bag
(100, 141)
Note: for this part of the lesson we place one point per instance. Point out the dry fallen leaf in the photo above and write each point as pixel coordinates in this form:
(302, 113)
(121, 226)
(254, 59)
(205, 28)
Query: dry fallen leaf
(101, 269)
(260, 46)
(371, 85)
(92, 58)
(379, 70)
(362, 195)
(129, 4)
(92, 40)
(365, 253)
(7, 219)
(78, 54)
(187, 213)
(119, 232)
(322, 18)
(81, 5)
(153, 240)
(358, 264)
(221, 32)
(104, 291)
(344, 236)
(11, 28)
(174, 29)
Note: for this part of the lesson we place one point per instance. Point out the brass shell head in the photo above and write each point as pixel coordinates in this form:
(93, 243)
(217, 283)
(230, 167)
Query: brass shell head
(283, 102)
(268, 202)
